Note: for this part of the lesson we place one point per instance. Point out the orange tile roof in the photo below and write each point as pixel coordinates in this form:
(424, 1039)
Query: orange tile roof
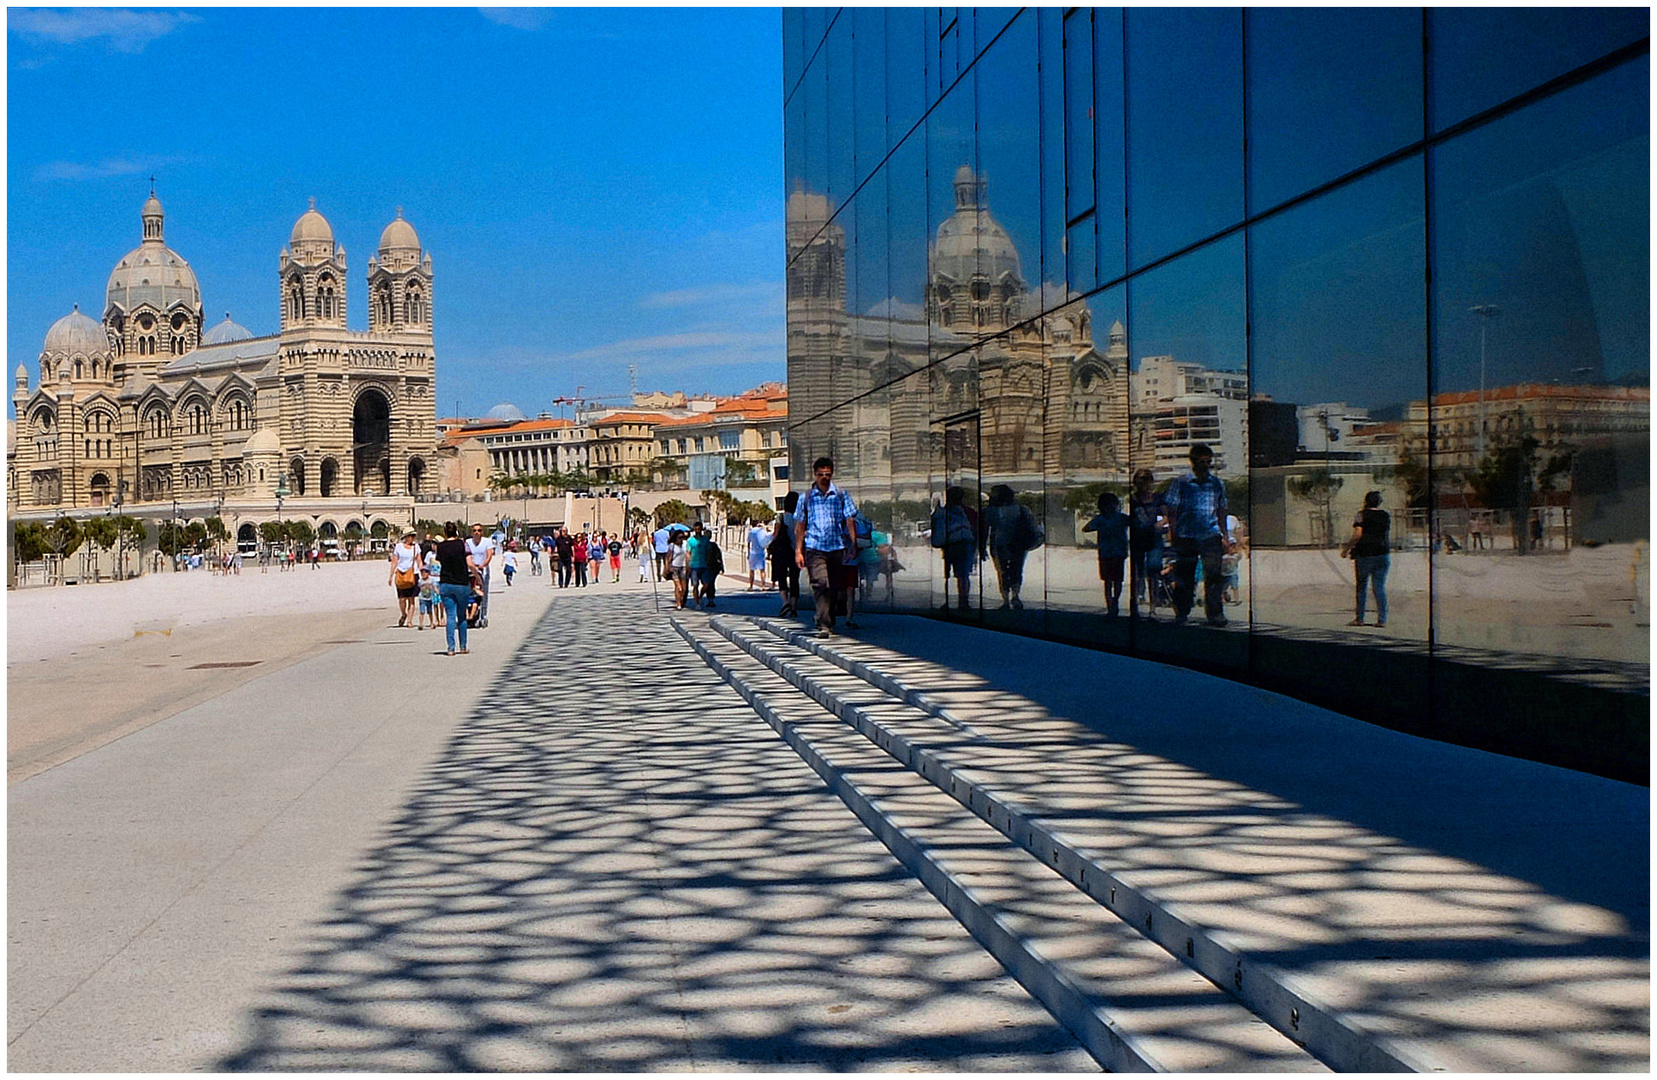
(1531, 391)
(628, 418)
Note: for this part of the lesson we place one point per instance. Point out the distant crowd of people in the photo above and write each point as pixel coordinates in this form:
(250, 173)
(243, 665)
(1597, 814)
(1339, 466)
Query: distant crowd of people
(1157, 548)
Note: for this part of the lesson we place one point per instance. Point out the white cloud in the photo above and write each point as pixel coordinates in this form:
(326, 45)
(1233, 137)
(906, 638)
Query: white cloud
(76, 170)
(759, 292)
(519, 18)
(713, 346)
(122, 31)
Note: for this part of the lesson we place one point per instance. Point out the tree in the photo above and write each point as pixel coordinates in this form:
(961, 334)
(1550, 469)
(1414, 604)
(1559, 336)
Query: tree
(130, 531)
(673, 510)
(62, 537)
(1507, 477)
(302, 533)
(1319, 487)
(28, 541)
(216, 531)
(195, 534)
(271, 532)
(427, 527)
(100, 532)
(738, 471)
(638, 517)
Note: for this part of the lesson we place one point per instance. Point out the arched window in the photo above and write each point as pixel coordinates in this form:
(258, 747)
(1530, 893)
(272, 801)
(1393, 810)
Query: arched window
(198, 418)
(411, 307)
(385, 306)
(296, 300)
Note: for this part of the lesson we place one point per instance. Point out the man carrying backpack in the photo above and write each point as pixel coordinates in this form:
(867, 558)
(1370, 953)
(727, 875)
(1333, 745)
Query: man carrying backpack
(824, 532)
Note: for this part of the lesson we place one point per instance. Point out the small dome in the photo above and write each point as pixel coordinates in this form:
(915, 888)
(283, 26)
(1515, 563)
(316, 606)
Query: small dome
(505, 411)
(76, 333)
(22, 374)
(152, 206)
(226, 332)
(399, 235)
(971, 243)
(262, 441)
(312, 226)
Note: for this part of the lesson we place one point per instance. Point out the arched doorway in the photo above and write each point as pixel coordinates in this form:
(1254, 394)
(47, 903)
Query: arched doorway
(100, 489)
(416, 475)
(247, 539)
(371, 440)
(328, 477)
(296, 476)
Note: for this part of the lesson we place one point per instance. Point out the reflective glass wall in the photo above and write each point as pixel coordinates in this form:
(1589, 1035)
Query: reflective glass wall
(1390, 266)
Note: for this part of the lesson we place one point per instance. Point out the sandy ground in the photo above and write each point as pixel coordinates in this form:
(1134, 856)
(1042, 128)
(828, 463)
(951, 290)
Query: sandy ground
(66, 620)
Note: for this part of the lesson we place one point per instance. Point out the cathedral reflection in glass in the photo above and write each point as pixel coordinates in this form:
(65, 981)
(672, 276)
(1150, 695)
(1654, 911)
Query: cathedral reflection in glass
(1350, 250)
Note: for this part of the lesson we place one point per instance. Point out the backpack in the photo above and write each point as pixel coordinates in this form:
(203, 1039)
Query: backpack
(950, 525)
(865, 532)
(1026, 535)
(716, 558)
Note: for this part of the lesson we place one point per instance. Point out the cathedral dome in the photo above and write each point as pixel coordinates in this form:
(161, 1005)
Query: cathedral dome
(152, 273)
(970, 242)
(263, 441)
(399, 235)
(505, 411)
(311, 226)
(226, 332)
(76, 333)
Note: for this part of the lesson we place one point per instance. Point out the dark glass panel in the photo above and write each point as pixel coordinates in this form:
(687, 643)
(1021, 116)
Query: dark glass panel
(990, 21)
(1540, 416)
(1078, 113)
(1050, 46)
(906, 48)
(836, 59)
(1186, 328)
(793, 49)
(1009, 156)
(814, 89)
(1313, 72)
(869, 139)
(1481, 57)
(1184, 127)
(1110, 224)
(1338, 352)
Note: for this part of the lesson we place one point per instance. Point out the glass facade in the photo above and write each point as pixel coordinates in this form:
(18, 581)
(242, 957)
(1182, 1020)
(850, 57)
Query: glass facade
(1380, 261)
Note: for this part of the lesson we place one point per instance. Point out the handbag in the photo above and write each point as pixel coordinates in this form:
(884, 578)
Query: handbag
(405, 579)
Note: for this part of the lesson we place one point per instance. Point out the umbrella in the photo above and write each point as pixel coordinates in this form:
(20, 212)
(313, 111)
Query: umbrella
(681, 528)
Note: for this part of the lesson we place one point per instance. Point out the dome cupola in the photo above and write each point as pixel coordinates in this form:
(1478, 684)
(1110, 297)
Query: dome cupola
(976, 281)
(312, 235)
(226, 332)
(399, 236)
(76, 334)
(151, 274)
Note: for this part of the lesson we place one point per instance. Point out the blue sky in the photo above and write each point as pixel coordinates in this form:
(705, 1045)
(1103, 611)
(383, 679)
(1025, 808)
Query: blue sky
(597, 187)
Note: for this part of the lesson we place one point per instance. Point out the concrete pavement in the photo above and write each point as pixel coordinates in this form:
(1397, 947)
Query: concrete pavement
(573, 849)
(1447, 908)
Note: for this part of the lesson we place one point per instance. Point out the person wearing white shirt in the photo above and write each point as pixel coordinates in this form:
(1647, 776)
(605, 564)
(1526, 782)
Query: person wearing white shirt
(482, 550)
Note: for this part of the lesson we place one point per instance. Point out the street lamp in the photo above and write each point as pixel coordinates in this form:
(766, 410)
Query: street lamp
(1485, 312)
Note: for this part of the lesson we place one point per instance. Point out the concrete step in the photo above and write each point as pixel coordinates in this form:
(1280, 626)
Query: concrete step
(1132, 1005)
(991, 775)
(1376, 953)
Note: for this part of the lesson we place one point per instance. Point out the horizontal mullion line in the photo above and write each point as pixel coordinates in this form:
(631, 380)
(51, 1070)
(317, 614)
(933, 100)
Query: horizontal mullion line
(1552, 86)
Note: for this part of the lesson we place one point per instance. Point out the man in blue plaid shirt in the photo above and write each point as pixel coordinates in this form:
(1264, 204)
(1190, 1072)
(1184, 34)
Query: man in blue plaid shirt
(825, 537)
(1196, 520)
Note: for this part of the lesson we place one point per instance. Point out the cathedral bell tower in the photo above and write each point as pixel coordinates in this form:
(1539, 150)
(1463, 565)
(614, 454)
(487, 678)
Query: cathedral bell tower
(400, 282)
(312, 275)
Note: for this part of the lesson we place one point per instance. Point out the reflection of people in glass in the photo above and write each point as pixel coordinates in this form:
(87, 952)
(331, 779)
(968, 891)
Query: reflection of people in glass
(955, 530)
(1368, 545)
(1112, 526)
(1009, 534)
(1145, 540)
(1196, 517)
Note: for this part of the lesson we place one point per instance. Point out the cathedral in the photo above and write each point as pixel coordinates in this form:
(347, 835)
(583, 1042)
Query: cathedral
(150, 405)
(972, 382)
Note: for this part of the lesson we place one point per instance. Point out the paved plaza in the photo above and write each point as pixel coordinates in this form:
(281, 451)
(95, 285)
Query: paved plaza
(616, 837)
